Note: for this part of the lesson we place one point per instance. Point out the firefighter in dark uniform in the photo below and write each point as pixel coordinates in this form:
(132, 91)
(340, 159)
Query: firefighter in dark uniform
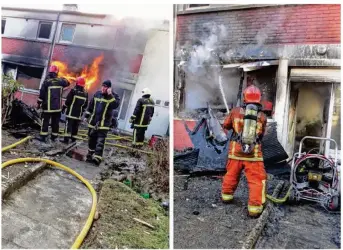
(141, 117)
(50, 100)
(100, 110)
(75, 105)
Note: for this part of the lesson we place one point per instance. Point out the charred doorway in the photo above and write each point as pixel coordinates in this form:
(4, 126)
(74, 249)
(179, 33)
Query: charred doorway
(311, 109)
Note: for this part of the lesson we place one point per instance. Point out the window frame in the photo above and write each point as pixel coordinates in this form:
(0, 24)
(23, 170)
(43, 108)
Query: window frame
(39, 29)
(3, 27)
(197, 7)
(61, 40)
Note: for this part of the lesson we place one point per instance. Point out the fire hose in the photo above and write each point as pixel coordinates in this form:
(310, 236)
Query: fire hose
(80, 238)
(280, 200)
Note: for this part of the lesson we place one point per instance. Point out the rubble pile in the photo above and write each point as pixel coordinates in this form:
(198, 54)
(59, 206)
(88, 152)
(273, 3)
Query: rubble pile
(122, 168)
(197, 114)
(23, 115)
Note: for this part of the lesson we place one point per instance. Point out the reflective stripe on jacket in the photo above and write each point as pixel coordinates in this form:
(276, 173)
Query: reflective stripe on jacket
(235, 121)
(50, 94)
(76, 103)
(143, 112)
(100, 110)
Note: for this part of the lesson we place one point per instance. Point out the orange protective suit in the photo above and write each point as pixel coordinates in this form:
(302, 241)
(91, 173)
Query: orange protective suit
(252, 163)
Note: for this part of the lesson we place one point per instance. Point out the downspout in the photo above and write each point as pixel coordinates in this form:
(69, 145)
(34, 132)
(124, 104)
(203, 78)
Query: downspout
(53, 40)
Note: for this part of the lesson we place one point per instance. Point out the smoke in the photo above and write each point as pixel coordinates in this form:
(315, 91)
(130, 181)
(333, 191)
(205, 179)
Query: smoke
(129, 47)
(213, 44)
(203, 52)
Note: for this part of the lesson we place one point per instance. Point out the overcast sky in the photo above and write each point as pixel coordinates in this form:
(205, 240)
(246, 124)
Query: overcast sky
(150, 11)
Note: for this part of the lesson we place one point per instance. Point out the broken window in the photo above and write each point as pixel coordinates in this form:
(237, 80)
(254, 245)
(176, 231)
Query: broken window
(67, 32)
(264, 79)
(3, 25)
(10, 69)
(44, 30)
(30, 77)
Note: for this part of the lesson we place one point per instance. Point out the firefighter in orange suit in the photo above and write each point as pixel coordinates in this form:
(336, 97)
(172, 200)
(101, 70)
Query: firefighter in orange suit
(248, 123)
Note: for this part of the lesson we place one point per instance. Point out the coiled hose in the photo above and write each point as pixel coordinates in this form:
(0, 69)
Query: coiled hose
(280, 200)
(80, 238)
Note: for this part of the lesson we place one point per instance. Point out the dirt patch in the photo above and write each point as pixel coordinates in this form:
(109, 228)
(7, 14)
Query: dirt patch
(301, 226)
(201, 220)
(147, 173)
(116, 228)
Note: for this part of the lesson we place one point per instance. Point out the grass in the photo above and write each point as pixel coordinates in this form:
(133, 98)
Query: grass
(118, 205)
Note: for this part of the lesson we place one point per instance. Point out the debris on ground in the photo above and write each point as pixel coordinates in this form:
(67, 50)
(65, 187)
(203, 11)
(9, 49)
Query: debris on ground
(199, 214)
(212, 154)
(23, 116)
(121, 225)
(146, 175)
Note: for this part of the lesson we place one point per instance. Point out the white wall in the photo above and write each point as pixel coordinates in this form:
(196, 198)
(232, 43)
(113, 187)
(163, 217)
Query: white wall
(202, 86)
(24, 28)
(154, 74)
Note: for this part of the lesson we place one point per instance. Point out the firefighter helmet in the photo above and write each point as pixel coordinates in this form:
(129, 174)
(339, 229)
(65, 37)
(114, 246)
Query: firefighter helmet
(146, 91)
(53, 69)
(80, 81)
(252, 94)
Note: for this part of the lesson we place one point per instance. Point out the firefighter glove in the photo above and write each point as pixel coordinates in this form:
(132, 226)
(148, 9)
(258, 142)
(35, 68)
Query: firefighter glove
(132, 119)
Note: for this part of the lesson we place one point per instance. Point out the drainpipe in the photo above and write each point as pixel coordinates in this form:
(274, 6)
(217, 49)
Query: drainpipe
(53, 40)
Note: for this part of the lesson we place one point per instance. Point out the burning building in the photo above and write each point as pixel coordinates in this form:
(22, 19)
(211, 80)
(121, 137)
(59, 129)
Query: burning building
(95, 46)
(291, 52)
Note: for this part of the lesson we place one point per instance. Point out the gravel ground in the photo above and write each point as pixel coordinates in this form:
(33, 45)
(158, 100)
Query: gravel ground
(201, 220)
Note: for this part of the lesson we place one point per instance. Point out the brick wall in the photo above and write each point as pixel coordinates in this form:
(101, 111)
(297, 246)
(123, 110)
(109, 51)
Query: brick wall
(25, 48)
(291, 24)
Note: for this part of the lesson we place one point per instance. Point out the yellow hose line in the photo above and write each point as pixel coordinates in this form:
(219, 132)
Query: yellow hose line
(119, 146)
(110, 136)
(89, 221)
(16, 144)
(134, 149)
(87, 226)
(281, 200)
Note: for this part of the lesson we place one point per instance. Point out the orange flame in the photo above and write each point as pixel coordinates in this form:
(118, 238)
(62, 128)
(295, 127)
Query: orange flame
(91, 74)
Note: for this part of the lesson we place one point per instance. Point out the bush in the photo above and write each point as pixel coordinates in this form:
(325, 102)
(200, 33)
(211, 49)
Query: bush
(9, 87)
(159, 165)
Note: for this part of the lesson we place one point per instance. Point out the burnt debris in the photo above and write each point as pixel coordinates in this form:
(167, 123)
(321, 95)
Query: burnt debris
(22, 115)
(210, 155)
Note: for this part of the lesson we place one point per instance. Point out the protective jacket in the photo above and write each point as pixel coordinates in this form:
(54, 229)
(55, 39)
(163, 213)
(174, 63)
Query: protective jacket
(50, 95)
(100, 110)
(76, 103)
(143, 112)
(235, 121)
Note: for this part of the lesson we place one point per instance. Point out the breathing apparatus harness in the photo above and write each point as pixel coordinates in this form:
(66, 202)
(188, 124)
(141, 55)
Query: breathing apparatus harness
(248, 138)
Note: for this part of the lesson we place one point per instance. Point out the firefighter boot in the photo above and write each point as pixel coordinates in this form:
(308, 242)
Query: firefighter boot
(66, 140)
(96, 161)
(89, 157)
(42, 138)
(227, 198)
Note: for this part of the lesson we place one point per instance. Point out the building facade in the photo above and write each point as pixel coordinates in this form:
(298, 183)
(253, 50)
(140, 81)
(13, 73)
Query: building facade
(291, 52)
(32, 39)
